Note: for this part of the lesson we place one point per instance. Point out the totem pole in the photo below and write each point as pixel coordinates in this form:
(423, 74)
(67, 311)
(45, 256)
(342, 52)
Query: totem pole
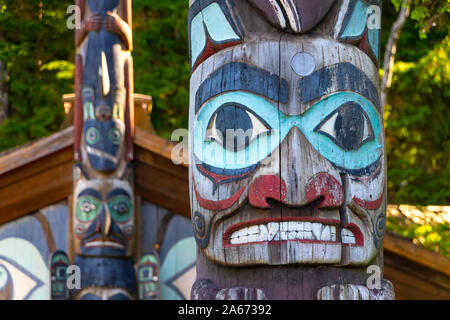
(103, 212)
(287, 149)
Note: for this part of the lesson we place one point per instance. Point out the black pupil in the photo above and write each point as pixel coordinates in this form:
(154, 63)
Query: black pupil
(121, 208)
(349, 126)
(233, 117)
(86, 207)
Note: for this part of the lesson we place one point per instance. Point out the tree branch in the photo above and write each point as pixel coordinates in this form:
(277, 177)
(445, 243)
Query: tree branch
(391, 49)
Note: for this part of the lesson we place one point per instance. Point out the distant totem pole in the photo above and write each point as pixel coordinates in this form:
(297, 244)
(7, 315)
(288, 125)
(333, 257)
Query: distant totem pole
(103, 212)
(287, 149)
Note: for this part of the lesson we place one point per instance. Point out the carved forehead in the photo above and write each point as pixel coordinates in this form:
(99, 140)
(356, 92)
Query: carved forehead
(104, 188)
(305, 58)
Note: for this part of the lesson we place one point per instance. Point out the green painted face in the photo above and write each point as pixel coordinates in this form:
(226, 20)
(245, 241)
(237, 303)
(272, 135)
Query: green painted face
(92, 135)
(103, 219)
(120, 208)
(88, 208)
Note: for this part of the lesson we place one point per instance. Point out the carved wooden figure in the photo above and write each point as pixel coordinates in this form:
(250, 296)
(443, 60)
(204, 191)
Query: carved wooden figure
(103, 210)
(288, 169)
(148, 277)
(59, 262)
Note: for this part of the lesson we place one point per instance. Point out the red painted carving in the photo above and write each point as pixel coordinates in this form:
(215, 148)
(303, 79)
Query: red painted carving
(266, 187)
(325, 186)
(217, 205)
(212, 48)
(368, 204)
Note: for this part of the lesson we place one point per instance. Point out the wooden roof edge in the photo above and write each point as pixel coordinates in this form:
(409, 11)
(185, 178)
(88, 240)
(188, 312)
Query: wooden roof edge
(156, 144)
(23, 155)
(406, 248)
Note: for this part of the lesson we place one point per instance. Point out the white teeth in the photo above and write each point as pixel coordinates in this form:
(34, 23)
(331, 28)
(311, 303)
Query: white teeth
(253, 230)
(273, 230)
(307, 226)
(316, 228)
(308, 235)
(253, 238)
(326, 234)
(333, 233)
(263, 231)
(292, 235)
(291, 230)
(292, 226)
(347, 236)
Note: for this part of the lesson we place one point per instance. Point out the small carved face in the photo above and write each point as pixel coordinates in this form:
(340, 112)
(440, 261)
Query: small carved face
(104, 141)
(287, 156)
(103, 218)
(59, 263)
(148, 277)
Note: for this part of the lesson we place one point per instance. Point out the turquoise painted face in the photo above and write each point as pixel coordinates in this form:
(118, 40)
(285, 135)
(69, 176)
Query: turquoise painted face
(211, 29)
(274, 140)
(261, 127)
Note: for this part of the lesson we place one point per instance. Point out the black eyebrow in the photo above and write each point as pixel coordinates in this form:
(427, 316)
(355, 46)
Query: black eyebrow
(240, 76)
(90, 192)
(117, 192)
(339, 77)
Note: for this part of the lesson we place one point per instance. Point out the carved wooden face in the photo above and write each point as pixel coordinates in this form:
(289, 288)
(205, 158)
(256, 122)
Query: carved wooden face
(148, 277)
(103, 130)
(103, 218)
(287, 155)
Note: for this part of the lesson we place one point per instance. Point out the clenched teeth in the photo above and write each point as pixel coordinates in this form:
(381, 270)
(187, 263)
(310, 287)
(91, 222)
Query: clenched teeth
(284, 231)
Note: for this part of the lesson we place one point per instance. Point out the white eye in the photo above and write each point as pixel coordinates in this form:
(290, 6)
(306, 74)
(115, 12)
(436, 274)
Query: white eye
(349, 127)
(235, 127)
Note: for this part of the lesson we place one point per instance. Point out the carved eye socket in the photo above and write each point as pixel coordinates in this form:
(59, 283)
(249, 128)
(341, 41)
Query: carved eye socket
(349, 127)
(235, 127)
(87, 208)
(121, 209)
(115, 135)
(92, 136)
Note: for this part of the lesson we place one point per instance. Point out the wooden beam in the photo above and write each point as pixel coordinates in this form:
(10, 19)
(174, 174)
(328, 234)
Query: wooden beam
(15, 158)
(158, 180)
(43, 186)
(405, 248)
(413, 280)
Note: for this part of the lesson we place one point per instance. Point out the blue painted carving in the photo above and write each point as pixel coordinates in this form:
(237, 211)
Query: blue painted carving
(103, 92)
(107, 272)
(211, 25)
(353, 153)
(240, 76)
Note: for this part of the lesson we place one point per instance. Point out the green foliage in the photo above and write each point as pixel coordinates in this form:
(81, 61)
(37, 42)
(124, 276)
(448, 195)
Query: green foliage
(32, 40)
(161, 60)
(418, 131)
(433, 237)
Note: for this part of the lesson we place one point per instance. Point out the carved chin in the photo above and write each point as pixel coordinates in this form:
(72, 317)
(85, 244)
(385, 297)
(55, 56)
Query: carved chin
(326, 237)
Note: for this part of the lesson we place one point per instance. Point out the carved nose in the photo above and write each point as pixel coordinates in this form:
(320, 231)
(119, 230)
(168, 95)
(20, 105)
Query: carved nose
(327, 188)
(308, 175)
(264, 188)
(104, 221)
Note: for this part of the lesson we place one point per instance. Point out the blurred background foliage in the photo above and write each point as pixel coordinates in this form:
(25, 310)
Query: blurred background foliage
(37, 53)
